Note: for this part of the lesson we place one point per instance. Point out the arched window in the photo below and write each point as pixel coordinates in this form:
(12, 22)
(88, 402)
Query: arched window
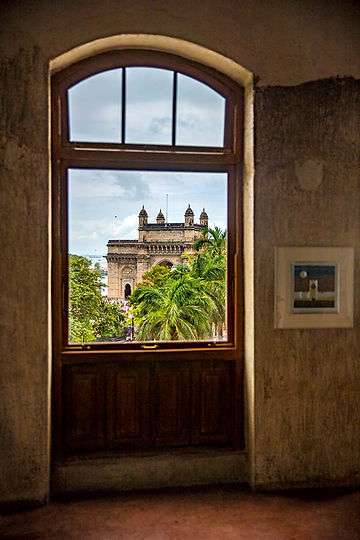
(134, 132)
(127, 291)
(133, 125)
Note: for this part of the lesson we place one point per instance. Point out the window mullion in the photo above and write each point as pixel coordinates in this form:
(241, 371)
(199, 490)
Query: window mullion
(123, 105)
(174, 109)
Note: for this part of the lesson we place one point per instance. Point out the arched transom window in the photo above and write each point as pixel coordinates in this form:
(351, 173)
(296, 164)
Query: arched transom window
(146, 105)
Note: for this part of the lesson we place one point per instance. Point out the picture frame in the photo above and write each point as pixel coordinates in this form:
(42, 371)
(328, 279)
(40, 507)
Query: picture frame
(314, 287)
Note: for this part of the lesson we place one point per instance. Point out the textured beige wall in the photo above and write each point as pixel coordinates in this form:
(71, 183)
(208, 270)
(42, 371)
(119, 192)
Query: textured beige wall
(306, 393)
(24, 278)
(307, 389)
(282, 41)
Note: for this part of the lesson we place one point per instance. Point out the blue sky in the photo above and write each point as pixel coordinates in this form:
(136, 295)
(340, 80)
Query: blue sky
(105, 204)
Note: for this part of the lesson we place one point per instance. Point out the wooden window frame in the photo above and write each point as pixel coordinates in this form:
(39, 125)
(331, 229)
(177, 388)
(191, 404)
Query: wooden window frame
(147, 157)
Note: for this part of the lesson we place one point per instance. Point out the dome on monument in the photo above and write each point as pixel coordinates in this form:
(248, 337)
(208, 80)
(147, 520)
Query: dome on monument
(160, 215)
(143, 212)
(203, 214)
(189, 211)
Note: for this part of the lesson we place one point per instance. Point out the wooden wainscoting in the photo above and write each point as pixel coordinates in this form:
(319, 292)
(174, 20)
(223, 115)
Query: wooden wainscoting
(157, 404)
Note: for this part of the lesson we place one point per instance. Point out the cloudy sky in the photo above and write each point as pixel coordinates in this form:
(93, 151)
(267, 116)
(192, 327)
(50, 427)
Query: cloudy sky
(95, 109)
(105, 204)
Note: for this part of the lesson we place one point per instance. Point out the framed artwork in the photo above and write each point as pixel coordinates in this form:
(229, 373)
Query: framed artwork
(313, 287)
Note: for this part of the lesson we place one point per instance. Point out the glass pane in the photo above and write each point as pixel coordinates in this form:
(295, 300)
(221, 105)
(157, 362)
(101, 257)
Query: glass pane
(148, 256)
(200, 114)
(148, 105)
(95, 108)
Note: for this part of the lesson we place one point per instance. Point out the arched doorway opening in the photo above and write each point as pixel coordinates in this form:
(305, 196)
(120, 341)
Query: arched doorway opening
(222, 369)
(127, 290)
(165, 263)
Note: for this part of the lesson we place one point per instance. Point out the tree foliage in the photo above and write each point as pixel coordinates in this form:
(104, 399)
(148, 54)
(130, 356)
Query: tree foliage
(90, 316)
(213, 240)
(188, 301)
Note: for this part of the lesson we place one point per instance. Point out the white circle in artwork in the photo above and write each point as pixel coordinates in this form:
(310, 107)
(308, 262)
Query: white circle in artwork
(303, 274)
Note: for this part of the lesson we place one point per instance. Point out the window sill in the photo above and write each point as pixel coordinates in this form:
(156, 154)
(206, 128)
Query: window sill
(150, 470)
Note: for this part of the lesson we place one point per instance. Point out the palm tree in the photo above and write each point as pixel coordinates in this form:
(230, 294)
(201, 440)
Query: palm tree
(213, 240)
(210, 264)
(186, 302)
(176, 310)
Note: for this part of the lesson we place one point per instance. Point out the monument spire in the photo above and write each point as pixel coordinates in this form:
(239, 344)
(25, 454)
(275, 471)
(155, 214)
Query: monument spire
(160, 220)
(189, 216)
(143, 217)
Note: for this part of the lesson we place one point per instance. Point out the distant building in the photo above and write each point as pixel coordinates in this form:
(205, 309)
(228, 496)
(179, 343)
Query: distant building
(158, 243)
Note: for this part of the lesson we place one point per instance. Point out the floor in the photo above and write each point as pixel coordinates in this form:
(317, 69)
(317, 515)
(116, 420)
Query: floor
(222, 513)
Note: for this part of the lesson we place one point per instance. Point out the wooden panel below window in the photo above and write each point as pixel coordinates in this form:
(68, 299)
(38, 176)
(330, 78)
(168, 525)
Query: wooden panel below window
(213, 405)
(83, 419)
(171, 406)
(145, 405)
(128, 407)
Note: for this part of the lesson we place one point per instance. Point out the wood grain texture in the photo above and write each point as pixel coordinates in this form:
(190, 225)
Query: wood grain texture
(213, 405)
(84, 409)
(171, 399)
(128, 406)
(121, 407)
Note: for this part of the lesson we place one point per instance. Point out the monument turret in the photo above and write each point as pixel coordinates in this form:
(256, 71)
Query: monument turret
(204, 219)
(159, 242)
(160, 220)
(143, 217)
(189, 217)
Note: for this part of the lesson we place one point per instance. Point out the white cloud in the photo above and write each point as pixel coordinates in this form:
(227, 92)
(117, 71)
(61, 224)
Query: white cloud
(126, 228)
(91, 235)
(85, 184)
(95, 106)
(105, 214)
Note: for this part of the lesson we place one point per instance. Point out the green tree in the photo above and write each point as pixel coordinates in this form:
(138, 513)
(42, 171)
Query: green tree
(110, 322)
(176, 309)
(186, 302)
(90, 316)
(156, 275)
(213, 240)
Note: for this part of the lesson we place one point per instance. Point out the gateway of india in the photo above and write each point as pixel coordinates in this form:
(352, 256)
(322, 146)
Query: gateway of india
(158, 243)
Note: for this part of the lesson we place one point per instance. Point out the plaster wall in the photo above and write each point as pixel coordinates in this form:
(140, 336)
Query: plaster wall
(307, 193)
(306, 382)
(282, 42)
